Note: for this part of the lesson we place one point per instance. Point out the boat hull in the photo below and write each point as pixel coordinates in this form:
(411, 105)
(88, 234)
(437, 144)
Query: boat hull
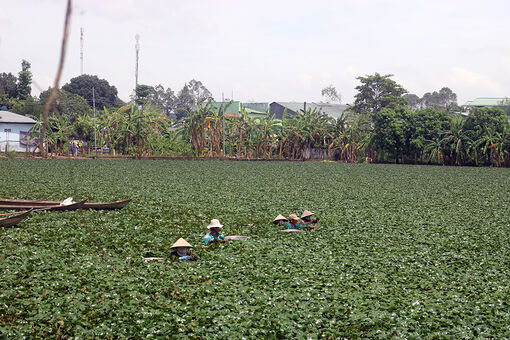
(14, 219)
(42, 207)
(27, 204)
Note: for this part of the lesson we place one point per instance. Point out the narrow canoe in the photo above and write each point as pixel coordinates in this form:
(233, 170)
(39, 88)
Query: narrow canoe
(23, 204)
(13, 219)
(148, 259)
(106, 206)
(58, 207)
(237, 238)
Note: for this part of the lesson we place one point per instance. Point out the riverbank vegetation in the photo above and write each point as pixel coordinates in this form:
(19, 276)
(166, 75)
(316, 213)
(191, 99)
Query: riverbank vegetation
(385, 124)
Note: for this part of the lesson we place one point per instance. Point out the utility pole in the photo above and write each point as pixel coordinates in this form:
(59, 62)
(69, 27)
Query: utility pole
(94, 107)
(81, 50)
(137, 48)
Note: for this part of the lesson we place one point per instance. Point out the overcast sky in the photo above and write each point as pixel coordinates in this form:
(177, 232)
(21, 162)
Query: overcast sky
(264, 50)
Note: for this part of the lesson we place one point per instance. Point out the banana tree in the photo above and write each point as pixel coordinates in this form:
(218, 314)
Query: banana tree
(435, 150)
(456, 141)
(491, 147)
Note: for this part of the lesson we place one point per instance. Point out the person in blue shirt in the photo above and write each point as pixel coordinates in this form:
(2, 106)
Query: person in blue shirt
(293, 223)
(214, 233)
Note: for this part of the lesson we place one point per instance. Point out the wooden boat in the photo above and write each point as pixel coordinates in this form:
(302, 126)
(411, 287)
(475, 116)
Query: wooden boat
(106, 206)
(40, 207)
(148, 259)
(22, 204)
(59, 207)
(237, 238)
(13, 219)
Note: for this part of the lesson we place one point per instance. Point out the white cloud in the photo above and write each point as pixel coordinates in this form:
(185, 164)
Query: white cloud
(41, 81)
(465, 79)
(505, 61)
(353, 71)
(289, 52)
(305, 80)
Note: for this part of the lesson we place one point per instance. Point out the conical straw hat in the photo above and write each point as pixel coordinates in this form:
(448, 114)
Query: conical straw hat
(181, 243)
(293, 217)
(306, 213)
(214, 224)
(280, 218)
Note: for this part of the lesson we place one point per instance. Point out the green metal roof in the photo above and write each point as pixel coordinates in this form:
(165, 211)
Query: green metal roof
(260, 107)
(486, 102)
(332, 110)
(251, 111)
(235, 108)
(229, 107)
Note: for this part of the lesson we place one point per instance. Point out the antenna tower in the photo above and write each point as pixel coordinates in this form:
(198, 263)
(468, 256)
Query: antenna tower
(137, 47)
(81, 50)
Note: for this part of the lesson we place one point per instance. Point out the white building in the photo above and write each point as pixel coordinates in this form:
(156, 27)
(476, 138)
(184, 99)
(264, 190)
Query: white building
(14, 132)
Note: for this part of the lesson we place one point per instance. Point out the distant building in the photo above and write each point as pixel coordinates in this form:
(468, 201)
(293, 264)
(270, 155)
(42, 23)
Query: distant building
(277, 109)
(333, 110)
(234, 109)
(502, 103)
(14, 134)
(260, 107)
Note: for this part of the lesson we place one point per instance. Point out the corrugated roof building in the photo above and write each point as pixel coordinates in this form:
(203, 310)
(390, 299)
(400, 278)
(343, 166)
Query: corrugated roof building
(501, 103)
(332, 110)
(488, 102)
(234, 108)
(14, 134)
(259, 107)
(276, 109)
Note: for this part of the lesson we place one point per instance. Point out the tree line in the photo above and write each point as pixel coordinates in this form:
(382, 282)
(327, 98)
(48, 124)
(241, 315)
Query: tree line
(384, 124)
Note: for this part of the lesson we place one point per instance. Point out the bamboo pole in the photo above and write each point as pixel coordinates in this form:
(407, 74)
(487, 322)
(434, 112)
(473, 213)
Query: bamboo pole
(53, 94)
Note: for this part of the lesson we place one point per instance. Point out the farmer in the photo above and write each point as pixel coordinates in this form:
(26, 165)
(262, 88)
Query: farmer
(74, 147)
(280, 221)
(293, 223)
(306, 218)
(214, 233)
(180, 251)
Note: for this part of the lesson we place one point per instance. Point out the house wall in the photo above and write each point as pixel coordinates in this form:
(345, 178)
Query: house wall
(10, 140)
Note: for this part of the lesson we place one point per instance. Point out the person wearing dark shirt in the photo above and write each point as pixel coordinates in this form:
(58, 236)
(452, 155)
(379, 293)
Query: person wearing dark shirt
(280, 220)
(306, 218)
(180, 251)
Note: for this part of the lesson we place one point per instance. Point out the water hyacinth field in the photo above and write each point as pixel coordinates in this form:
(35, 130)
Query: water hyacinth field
(402, 251)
